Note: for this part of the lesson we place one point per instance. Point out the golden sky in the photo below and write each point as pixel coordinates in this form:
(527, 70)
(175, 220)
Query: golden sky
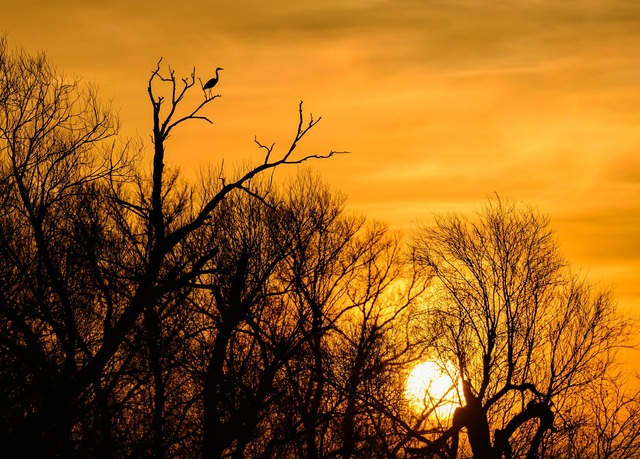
(441, 102)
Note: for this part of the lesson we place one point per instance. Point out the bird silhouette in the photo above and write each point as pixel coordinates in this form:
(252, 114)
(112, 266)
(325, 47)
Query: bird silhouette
(213, 81)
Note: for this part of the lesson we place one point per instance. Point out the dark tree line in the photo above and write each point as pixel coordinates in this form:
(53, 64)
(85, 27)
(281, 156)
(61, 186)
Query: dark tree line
(143, 314)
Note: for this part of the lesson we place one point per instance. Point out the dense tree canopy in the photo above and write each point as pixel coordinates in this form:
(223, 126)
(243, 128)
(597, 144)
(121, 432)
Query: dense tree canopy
(144, 314)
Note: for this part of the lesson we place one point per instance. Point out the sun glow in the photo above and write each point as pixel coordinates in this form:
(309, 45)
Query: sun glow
(433, 388)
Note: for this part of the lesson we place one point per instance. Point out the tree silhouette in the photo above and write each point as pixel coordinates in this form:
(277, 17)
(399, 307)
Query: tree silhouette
(53, 139)
(145, 314)
(524, 332)
(53, 136)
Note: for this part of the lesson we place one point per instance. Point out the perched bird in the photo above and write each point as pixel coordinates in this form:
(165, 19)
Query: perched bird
(212, 82)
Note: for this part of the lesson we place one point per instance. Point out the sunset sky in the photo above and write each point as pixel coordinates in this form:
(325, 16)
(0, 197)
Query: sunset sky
(440, 102)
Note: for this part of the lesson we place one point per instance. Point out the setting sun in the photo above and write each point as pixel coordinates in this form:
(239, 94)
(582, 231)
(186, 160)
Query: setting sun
(432, 387)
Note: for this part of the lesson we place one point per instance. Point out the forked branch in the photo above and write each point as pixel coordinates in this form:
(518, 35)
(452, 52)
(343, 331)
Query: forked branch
(268, 164)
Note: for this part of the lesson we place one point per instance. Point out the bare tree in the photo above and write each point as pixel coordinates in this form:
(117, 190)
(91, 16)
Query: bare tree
(600, 422)
(349, 291)
(55, 139)
(78, 284)
(524, 332)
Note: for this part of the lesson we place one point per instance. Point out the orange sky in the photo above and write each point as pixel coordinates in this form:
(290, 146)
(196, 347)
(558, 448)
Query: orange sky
(441, 102)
